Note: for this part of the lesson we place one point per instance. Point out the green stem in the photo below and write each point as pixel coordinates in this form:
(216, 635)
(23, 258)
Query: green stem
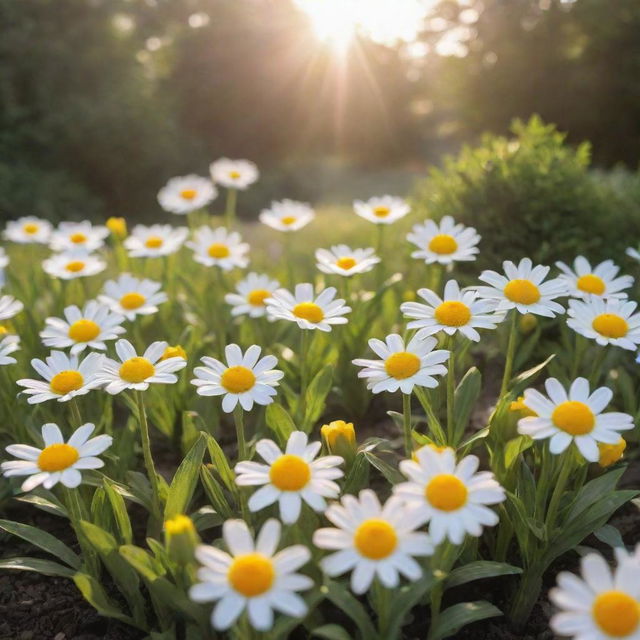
(561, 483)
(288, 259)
(379, 251)
(580, 345)
(442, 561)
(511, 348)
(238, 418)
(381, 603)
(451, 389)
(76, 417)
(230, 210)
(526, 595)
(76, 514)
(596, 369)
(156, 505)
(406, 413)
(304, 371)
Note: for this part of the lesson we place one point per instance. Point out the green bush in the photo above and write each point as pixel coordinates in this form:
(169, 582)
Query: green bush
(533, 195)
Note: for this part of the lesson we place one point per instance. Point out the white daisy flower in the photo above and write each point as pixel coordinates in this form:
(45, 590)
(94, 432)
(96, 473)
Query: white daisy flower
(130, 297)
(82, 328)
(307, 309)
(573, 417)
(138, 372)
(58, 461)
(4, 261)
(9, 307)
(68, 266)
(184, 194)
(445, 242)
(8, 345)
(403, 367)
(456, 311)
(234, 174)
(601, 604)
(287, 215)
(522, 288)
(290, 477)
(78, 236)
(382, 210)
(252, 576)
(344, 261)
(245, 378)
(27, 230)
(633, 253)
(606, 321)
(220, 248)
(156, 240)
(601, 281)
(251, 293)
(373, 540)
(65, 377)
(452, 497)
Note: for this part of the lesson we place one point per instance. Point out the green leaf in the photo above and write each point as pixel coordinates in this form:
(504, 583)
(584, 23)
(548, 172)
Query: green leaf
(514, 448)
(316, 396)
(215, 493)
(404, 599)
(609, 535)
(466, 396)
(478, 571)
(358, 475)
(392, 474)
(120, 513)
(42, 540)
(349, 605)
(185, 480)
(331, 632)
(279, 421)
(459, 615)
(220, 462)
(593, 490)
(45, 567)
(527, 377)
(50, 504)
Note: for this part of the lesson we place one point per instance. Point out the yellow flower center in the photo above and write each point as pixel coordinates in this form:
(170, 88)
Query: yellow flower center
(402, 365)
(453, 313)
(154, 242)
(610, 325)
(522, 292)
(238, 379)
(443, 244)
(179, 524)
(66, 381)
(188, 194)
(446, 492)
(174, 352)
(573, 417)
(289, 473)
(591, 283)
(257, 297)
(234, 174)
(136, 370)
(288, 220)
(381, 212)
(78, 238)
(132, 300)
(616, 613)
(346, 263)
(30, 228)
(375, 539)
(309, 311)
(251, 574)
(610, 453)
(84, 330)
(57, 457)
(218, 250)
(74, 266)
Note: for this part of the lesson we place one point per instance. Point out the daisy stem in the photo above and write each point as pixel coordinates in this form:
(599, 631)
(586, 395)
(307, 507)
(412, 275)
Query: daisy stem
(288, 259)
(579, 347)
(379, 250)
(406, 413)
(76, 417)
(511, 349)
(381, 602)
(304, 372)
(238, 418)
(596, 369)
(76, 515)
(230, 211)
(566, 466)
(156, 507)
(451, 389)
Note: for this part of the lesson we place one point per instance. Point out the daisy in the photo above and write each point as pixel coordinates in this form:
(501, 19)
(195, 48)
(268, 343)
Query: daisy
(382, 210)
(65, 376)
(372, 540)
(9, 307)
(219, 247)
(344, 261)
(307, 309)
(452, 496)
(251, 293)
(8, 345)
(403, 367)
(522, 288)
(138, 372)
(4, 261)
(58, 461)
(234, 174)
(245, 378)
(445, 242)
(28, 230)
(130, 297)
(68, 266)
(575, 416)
(77, 236)
(184, 194)
(287, 215)
(252, 576)
(456, 311)
(82, 328)
(633, 253)
(156, 240)
(601, 281)
(606, 321)
(601, 604)
(290, 477)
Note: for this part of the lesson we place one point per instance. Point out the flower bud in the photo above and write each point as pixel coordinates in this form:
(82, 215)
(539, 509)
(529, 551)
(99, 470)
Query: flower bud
(340, 438)
(521, 407)
(117, 226)
(181, 539)
(435, 447)
(528, 322)
(611, 453)
(174, 352)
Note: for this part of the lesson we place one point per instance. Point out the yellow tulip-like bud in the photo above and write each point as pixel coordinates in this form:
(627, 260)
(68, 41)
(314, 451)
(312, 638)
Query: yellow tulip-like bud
(340, 438)
(520, 406)
(117, 226)
(181, 539)
(4, 330)
(528, 322)
(435, 447)
(611, 453)
(174, 352)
